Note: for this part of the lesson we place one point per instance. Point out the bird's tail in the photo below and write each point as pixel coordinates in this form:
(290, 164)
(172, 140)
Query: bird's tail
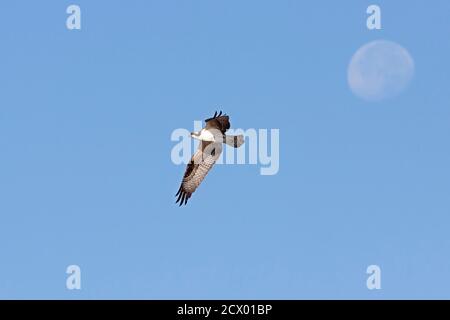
(235, 141)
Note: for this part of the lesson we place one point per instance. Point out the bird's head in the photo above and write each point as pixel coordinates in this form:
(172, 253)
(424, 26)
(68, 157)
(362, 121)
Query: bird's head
(203, 135)
(196, 134)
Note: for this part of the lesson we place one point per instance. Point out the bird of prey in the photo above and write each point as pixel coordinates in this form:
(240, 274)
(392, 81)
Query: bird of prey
(210, 147)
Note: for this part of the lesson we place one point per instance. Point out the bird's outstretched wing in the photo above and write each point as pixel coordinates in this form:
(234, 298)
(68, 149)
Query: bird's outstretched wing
(201, 162)
(219, 122)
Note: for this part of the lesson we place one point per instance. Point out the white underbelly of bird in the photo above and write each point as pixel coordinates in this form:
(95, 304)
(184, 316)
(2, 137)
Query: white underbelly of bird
(209, 136)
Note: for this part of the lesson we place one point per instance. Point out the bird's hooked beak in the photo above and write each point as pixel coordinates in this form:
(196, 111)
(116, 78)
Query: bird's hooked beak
(195, 134)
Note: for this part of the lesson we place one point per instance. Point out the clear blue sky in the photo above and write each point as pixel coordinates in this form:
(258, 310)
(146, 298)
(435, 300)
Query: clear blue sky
(86, 176)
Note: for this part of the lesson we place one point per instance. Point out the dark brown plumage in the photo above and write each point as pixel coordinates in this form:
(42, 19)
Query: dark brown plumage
(218, 121)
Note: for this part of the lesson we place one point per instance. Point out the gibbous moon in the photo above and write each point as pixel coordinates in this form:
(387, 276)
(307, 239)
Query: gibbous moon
(380, 69)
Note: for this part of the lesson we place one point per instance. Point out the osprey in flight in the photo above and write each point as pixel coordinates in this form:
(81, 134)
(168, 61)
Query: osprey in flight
(211, 138)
